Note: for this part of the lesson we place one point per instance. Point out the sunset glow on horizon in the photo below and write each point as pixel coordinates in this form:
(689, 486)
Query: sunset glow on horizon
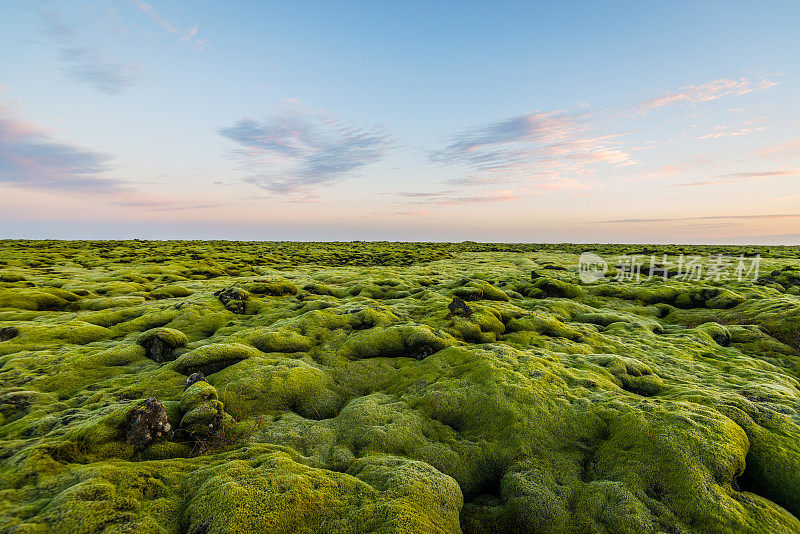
(535, 122)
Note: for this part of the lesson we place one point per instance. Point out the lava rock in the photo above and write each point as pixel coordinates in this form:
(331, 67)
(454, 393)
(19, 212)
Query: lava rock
(233, 298)
(147, 423)
(157, 349)
(160, 343)
(8, 332)
(535, 275)
(194, 378)
(459, 307)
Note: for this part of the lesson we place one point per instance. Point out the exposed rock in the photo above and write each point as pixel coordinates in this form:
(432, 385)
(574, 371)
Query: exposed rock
(147, 423)
(157, 349)
(459, 307)
(233, 298)
(8, 332)
(193, 378)
(159, 343)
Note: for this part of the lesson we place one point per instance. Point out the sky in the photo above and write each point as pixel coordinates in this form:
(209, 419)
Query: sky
(574, 121)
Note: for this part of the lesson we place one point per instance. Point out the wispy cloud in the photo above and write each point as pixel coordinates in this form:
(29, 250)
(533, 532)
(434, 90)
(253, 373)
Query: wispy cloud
(550, 146)
(740, 177)
(140, 201)
(422, 194)
(780, 151)
(296, 151)
(85, 62)
(30, 157)
(452, 198)
(705, 218)
(706, 92)
(185, 35)
(730, 131)
(504, 195)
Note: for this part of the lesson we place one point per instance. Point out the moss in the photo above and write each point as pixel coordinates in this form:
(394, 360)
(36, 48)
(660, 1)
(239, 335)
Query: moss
(478, 290)
(209, 359)
(258, 387)
(278, 288)
(600, 318)
(553, 287)
(322, 289)
(277, 494)
(544, 324)
(658, 406)
(160, 343)
(30, 299)
(105, 303)
(171, 337)
(171, 291)
(710, 297)
(196, 394)
(633, 375)
(393, 341)
(279, 342)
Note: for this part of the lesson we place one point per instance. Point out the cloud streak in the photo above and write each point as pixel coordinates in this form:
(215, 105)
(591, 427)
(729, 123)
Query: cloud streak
(29, 157)
(295, 152)
(548, 146)
(706, 218)
(84, 62)
(452, 198)
(782, 151)
(706, 92)
(184, 35)
(740, 177)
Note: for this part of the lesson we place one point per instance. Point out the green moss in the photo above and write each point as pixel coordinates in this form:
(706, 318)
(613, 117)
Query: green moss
(209, 359)
(394, 341)
(544, 324)
(279, 342)
(171, 337)
(172, 291)
(277, 288)
(478, 290)
(553, 287)
(30, 299)
(632, 375)
(650, 406)
(259, 387)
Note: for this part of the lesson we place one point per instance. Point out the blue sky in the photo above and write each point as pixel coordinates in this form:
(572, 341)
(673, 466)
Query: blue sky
(500, 121)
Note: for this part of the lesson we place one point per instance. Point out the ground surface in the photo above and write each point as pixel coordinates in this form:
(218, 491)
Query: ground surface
(343, 395)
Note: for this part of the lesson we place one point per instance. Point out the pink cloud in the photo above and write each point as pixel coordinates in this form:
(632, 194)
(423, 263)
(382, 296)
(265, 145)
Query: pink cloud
(706, 92)
(183, 35)
(781, 151)
(150, 11)
(551, 146)
(740, 177)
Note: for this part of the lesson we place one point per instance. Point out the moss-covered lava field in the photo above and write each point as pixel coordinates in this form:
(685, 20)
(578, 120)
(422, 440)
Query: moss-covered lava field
(216, 387)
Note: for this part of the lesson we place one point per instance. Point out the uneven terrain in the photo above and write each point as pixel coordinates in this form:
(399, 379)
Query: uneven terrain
(210, 387)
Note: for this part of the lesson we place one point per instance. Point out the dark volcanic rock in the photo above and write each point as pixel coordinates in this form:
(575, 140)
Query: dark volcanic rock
(157, 349)
(8, 332)
(194, 378)
(233, 298)
(147, 423)
(160, 343)
(459, 307)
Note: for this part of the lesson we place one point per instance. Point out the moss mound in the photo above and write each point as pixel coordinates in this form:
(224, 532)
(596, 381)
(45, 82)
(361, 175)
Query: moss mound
(435, 388)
